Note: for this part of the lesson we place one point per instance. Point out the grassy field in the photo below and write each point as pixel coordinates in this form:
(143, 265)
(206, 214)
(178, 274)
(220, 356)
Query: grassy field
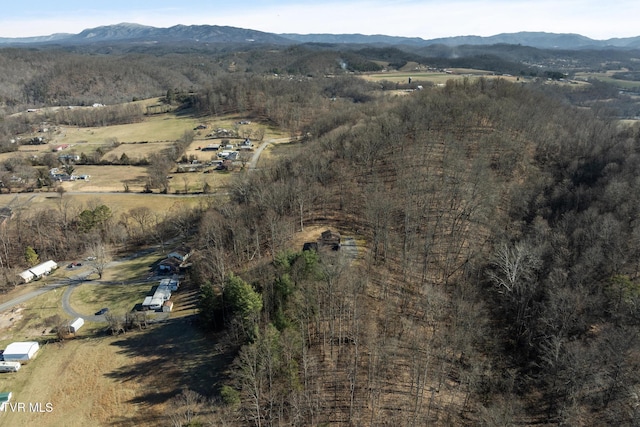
(95, 378)
(118, 202)
(162, 127)
(607, 78)
(100, 379)
(432, 77)
(89, 298)
(123, 380)
(138, 141)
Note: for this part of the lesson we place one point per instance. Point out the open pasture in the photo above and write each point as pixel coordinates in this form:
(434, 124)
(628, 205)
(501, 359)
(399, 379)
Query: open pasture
(135, 151)
(607, 77)
(118, 202)
(432, 77)
(120, 298)
(101, 379)
(162, 127)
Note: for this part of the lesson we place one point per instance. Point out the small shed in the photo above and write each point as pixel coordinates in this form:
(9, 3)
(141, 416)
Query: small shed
(167, 306)
(21, 351)
(169, 265)
(76, 325)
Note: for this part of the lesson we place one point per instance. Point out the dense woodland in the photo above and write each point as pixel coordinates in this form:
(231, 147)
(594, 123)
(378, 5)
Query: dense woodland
(496, 281)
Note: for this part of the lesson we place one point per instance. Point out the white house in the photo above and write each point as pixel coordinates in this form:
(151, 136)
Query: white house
(181, 254)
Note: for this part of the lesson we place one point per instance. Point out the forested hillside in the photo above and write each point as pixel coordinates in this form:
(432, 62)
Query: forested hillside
(498, 282)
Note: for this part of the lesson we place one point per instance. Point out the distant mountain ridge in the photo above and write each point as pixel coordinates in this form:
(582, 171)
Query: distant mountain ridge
(128, 32)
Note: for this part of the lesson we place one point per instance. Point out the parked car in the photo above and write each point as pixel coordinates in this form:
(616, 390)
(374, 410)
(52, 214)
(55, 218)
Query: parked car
(102, 311)
(90, 258)
(74, 264)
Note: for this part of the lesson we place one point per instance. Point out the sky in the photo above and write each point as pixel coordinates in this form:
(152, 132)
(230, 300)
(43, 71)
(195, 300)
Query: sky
(427, 19)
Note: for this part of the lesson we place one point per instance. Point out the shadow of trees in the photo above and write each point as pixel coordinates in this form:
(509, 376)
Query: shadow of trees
(169, 356)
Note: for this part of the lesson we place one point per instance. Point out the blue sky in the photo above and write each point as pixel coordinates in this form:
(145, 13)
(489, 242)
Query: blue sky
(411, 18)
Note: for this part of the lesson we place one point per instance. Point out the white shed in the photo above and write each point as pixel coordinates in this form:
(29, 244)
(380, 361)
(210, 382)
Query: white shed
(76, 325)
(21, 351)
(167, 306)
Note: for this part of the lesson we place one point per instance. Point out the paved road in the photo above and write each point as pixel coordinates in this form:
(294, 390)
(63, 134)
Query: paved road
(26, 297)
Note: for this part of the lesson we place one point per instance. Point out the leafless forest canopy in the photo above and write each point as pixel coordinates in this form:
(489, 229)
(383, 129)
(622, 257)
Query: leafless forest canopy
(499, 244)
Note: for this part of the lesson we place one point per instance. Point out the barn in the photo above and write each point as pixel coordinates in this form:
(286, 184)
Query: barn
(21, 351)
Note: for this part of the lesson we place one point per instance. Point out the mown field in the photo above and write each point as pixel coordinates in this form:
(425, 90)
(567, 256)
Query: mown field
(432, 77)
(607, 78)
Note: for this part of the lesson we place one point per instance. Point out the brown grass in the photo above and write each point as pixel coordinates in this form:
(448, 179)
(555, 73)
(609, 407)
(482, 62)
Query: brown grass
(99, 379)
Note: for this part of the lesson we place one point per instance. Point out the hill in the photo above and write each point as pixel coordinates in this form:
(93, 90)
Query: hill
(493, 268)
(130, 32)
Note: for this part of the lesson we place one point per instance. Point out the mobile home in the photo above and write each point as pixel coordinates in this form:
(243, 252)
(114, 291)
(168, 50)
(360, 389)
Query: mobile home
(9, 366)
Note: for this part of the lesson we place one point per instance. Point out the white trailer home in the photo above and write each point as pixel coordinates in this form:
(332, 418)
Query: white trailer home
(21, 352)
(9, 366)
(34, 273)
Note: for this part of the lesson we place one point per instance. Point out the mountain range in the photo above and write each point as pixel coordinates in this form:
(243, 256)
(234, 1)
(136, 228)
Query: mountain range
(127, 32)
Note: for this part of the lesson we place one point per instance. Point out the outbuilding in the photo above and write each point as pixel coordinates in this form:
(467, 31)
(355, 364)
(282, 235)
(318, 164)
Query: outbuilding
(21, 351)
(76, 325)
(167, 306)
